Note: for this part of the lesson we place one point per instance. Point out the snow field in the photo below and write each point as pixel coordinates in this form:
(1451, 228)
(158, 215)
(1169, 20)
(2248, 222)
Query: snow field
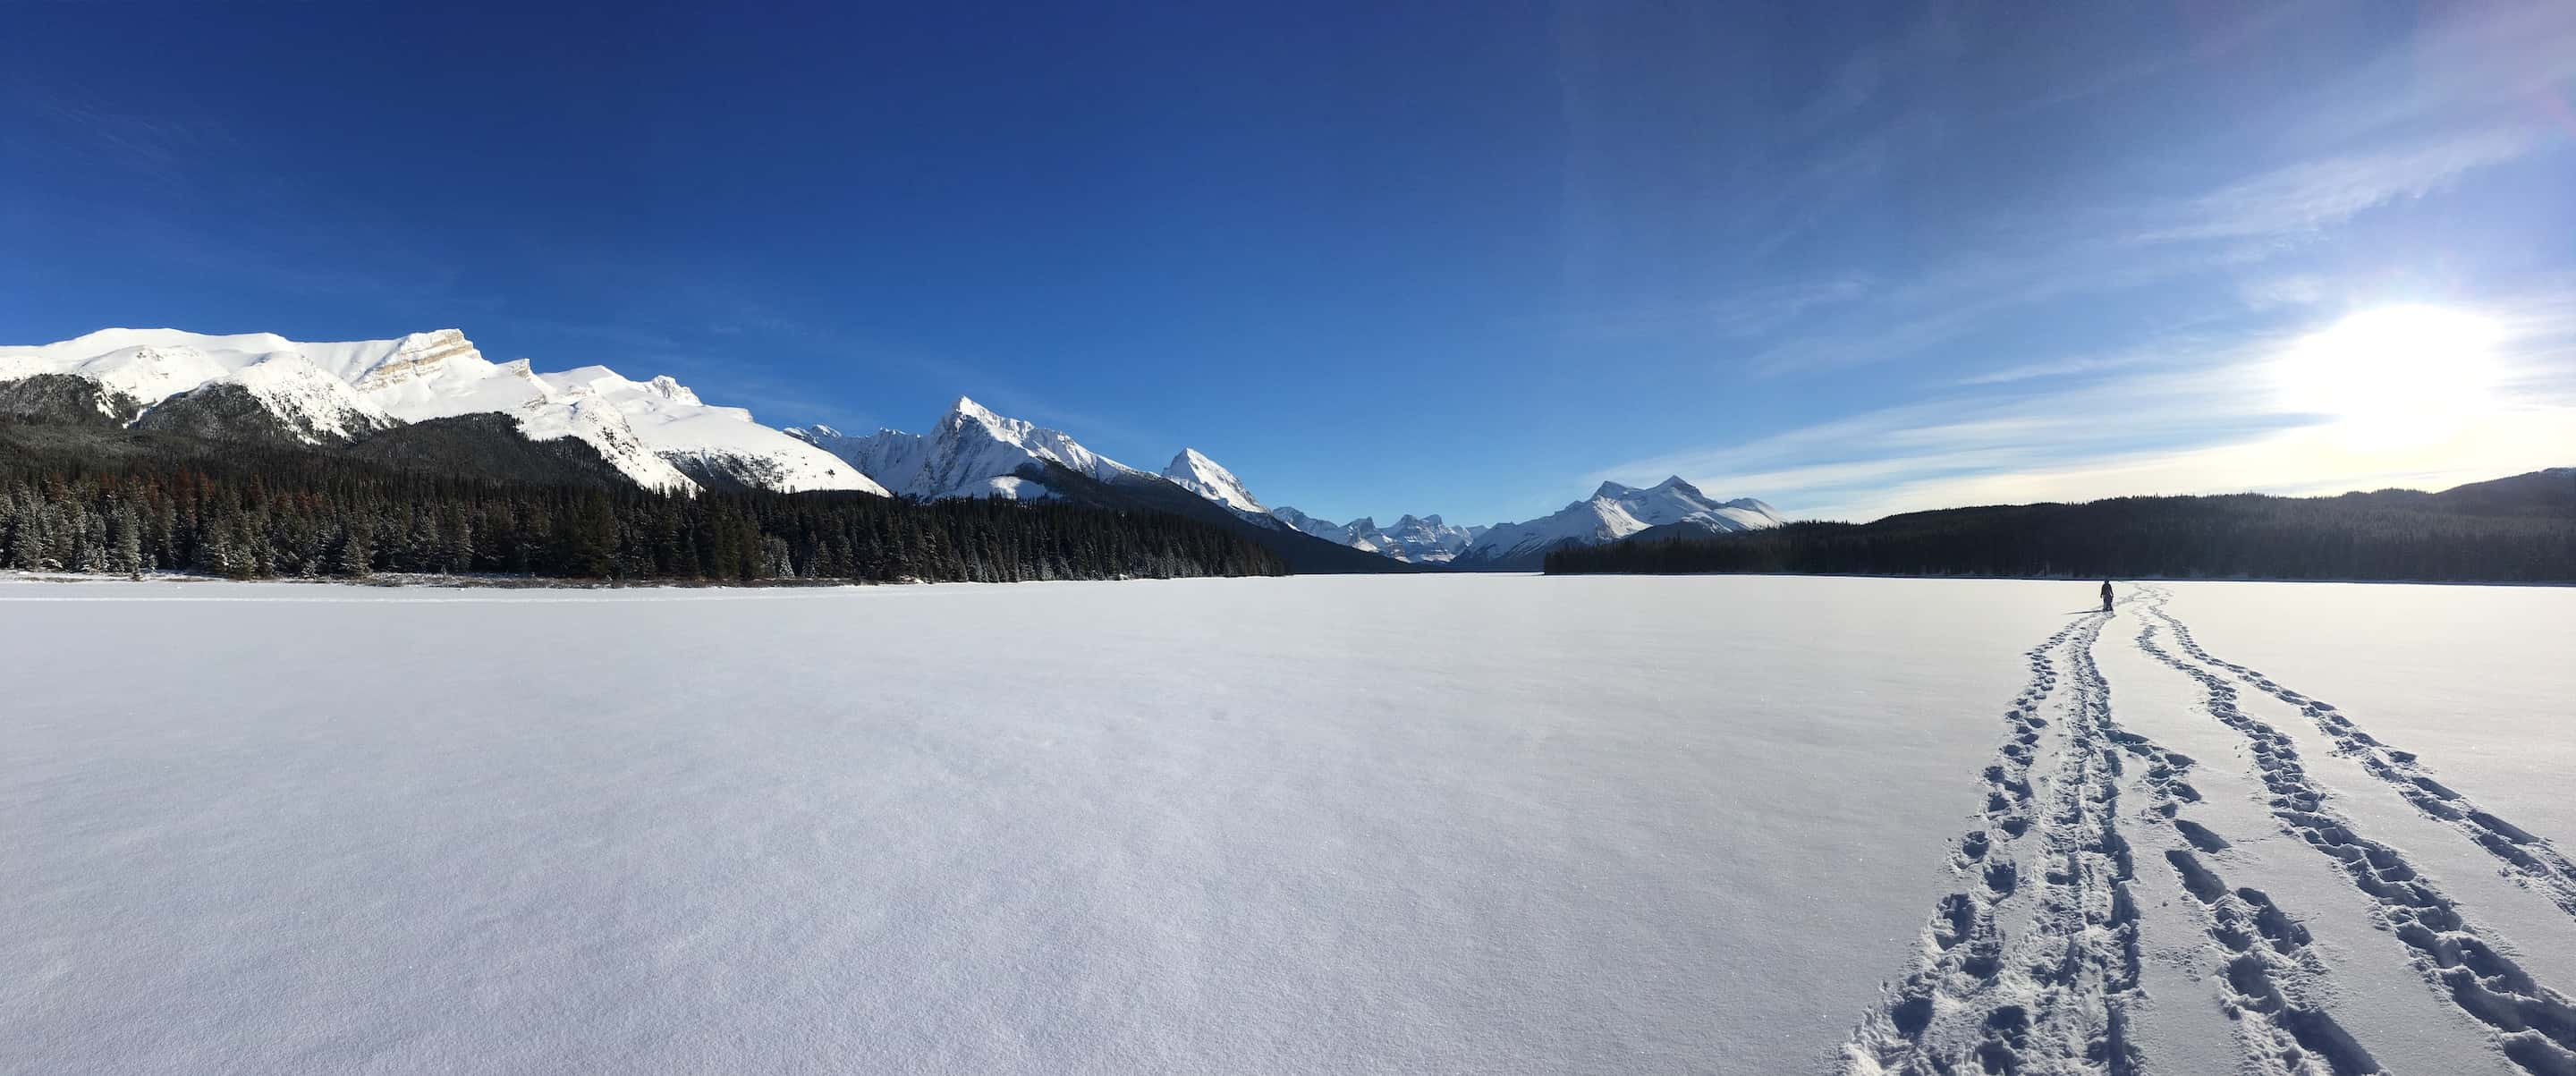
(1450, 824)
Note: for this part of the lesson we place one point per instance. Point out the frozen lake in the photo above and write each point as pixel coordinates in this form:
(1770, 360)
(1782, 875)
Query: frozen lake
(1422, 824)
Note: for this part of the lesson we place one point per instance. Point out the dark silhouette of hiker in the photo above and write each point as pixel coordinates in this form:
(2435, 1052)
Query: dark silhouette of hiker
(2106, 595)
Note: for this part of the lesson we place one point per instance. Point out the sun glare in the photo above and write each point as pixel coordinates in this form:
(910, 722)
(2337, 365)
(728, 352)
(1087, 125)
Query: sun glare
(2395, 373)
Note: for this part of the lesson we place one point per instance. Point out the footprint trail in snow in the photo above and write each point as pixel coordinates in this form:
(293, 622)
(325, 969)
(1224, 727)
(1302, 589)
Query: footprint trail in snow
(2032, 965)
(2532, 858)
(2534, 1026)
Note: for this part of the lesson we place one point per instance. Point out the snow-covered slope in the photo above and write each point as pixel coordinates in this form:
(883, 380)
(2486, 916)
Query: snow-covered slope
(315, 404)
(1413, 539)
(1321, 528)
(1428, 539)
(1613, 512)
(1362, 533)
(969, 453)
(1676, 501)
(279, 397)
(657, 433)
(716, 446)
(148, 364)
(1207, 478)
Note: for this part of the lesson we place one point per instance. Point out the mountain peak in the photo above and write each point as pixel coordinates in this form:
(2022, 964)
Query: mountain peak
(969, 452)
(1613, 491)
(670, 388)
(1194, 471)
(967, 408)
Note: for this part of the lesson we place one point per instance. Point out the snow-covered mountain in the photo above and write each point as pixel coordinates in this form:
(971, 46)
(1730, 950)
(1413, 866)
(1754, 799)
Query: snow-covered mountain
(1349, 534)
(1429, 540)
(717, 447)
(1320, 528)
(1613, 512)
(970, 452)
(657, 433)
(1413, 539)
(1205, 477)
(281, 395)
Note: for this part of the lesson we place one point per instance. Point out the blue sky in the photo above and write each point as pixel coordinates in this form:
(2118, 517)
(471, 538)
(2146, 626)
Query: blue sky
(1469, 259)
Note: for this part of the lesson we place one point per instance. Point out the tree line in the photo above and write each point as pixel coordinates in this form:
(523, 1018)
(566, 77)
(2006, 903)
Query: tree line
(249, 512)
(2514, 530)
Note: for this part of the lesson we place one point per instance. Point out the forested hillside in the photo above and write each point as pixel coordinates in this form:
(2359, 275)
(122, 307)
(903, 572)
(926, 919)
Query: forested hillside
(2519, 529)
(111, 501)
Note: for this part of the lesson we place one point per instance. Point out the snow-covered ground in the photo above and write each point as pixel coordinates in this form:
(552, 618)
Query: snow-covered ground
(1592, 824)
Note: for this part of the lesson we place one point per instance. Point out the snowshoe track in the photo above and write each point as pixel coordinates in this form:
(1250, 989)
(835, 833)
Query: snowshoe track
(2268, 971)
(2052, 995)
(2533, 1025)
(2532, 858)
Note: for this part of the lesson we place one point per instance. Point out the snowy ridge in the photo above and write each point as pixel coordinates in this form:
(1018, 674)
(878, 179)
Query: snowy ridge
(315, 405)
(972, 452)
(966, 454)
(712, 443)
(1413, 539)
(1427, 539)
(1306, 524)
(1613, 512)
(1207, 478)
(649, 431)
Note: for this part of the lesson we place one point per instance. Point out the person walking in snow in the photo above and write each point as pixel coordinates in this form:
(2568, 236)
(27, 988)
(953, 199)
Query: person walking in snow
(2106, 595)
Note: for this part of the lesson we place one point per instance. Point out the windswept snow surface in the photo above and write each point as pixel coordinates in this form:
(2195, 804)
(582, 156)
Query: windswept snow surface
(1603, 824)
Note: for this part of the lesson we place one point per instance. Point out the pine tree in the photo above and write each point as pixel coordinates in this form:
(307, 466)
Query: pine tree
(356, 555)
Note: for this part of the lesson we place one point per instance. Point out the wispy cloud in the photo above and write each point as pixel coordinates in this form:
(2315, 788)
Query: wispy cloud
(2290, 289)
(1934, 39)
(2227, 28)
(2310, 196)
(2427, 114)
(2075, 364)
(1739, 314)
(2187, 415)
(2469, 63)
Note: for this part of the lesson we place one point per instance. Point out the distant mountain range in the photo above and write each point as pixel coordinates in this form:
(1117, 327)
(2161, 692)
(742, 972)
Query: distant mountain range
(2520, 529)
(659, 435)
(261, 386)
(972, 452)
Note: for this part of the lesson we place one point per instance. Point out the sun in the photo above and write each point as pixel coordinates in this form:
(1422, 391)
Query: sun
(2396, 372)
